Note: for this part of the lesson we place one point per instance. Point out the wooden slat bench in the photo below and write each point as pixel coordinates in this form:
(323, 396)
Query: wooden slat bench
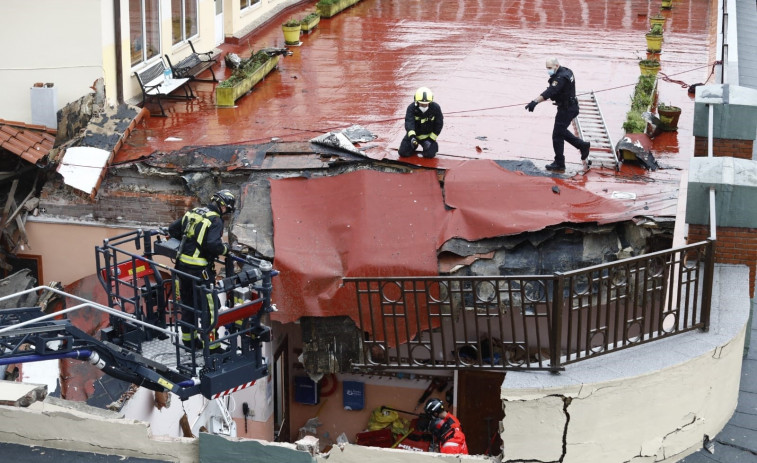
(191, 66)
(155, 87)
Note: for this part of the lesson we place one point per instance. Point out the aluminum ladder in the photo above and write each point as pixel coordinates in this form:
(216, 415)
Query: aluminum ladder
(590, 125)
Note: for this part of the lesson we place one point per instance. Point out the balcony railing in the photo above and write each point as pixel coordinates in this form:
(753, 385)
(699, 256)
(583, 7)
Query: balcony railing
(535, 322)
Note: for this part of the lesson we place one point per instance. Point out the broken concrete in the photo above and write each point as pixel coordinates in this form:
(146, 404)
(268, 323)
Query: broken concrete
(21, 394)
(19, 281)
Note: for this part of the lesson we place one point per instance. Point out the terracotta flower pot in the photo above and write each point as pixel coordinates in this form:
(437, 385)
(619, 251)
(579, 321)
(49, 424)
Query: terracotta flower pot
(669, 117)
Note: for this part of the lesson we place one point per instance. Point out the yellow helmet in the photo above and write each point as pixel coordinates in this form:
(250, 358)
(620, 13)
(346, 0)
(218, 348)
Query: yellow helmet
(424, 95)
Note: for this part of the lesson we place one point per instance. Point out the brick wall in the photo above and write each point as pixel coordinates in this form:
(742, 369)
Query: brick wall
(724, 147)
(733, 246)
(122, 207)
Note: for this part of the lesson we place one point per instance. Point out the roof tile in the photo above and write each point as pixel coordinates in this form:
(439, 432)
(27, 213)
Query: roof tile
(30, 142)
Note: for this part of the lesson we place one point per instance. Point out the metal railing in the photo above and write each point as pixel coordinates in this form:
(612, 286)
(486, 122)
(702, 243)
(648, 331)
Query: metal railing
(535, 322)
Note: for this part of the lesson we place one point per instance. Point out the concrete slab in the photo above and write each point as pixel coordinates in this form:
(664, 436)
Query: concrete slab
(26, 454)
(21, 394)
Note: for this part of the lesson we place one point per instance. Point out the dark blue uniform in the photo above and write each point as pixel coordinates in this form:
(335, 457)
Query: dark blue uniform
(562, 90)
(425, 127)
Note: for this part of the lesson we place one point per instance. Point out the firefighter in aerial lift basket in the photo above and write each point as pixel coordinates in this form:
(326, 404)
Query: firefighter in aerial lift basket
(200, 231)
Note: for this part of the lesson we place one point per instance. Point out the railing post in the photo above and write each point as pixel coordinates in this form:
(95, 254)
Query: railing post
(555, 337)
(709, 271)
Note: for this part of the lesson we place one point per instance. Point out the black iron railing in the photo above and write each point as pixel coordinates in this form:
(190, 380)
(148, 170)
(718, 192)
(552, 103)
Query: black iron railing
(538, 322)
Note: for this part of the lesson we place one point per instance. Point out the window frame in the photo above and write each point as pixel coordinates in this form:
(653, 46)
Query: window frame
(249, 4)
(144, 32)
(183, 37)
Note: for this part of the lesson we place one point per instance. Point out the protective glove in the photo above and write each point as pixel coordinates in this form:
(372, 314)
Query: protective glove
(414, 142)
(530, 106)
(426, 144)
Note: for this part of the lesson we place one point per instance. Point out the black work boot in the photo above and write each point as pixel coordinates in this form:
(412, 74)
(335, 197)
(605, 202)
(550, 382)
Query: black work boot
(585, 151)
(555, 167)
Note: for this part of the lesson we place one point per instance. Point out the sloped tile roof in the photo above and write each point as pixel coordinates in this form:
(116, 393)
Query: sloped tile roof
(30, 142)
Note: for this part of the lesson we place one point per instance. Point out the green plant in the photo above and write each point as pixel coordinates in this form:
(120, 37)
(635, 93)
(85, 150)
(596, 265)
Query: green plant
(665, 107)
(327, 2)
(291, 23)
(645, 84)
(246, 68)
(634, 123)
(655, 30)
(310, 17)
(650, 62)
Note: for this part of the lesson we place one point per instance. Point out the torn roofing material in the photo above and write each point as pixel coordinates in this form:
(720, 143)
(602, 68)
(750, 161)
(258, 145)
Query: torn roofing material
(369, 223)
(357, 224)
(488, 201)
(83, 168)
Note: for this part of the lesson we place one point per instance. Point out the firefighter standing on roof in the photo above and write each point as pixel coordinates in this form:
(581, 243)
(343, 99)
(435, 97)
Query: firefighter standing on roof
(445, 428)
(200, 231)
(561, 90)
(423, 124)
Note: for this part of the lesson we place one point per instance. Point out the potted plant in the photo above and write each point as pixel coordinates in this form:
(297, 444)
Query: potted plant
(654, 38)
(292, 30)
(657, 19)
(310, 21)
(649, 67)
(667, 4)
(669, 115)
(250, 71)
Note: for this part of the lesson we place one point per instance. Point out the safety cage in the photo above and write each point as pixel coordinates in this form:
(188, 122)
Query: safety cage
(138, 285)
(143, 343)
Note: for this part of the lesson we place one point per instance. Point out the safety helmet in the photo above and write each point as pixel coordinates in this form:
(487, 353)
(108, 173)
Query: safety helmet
(225, 198)
(434, 407)
(424, 95)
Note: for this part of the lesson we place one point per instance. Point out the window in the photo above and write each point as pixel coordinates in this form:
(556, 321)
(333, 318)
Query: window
(183, 20)
(21, 262)
(247, 3)
(144, 30)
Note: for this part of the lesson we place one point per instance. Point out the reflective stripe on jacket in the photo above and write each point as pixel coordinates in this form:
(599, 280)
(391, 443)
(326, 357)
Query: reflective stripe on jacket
(424, 125)
(203, 228)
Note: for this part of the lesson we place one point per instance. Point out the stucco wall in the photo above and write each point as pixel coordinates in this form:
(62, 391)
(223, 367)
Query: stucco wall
(650, 403)
(48, 41)
(67, 250)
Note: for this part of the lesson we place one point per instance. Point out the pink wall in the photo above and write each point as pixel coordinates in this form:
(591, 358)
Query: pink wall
(396, 393)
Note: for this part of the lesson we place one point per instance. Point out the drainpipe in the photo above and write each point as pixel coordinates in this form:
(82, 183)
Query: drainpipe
(710, 135)
(119, 51)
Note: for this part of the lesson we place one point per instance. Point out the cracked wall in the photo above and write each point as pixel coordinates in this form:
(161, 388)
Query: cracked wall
(652, 403)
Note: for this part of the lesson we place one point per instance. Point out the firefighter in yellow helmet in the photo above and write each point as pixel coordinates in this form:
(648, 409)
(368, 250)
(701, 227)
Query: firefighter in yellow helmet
(200, 231)
(423, 124)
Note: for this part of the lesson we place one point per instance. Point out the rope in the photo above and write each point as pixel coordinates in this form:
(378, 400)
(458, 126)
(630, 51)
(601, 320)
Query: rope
(461, 113)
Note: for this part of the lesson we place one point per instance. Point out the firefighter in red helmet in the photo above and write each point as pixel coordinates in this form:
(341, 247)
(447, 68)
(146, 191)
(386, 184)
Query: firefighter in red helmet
(446, 429)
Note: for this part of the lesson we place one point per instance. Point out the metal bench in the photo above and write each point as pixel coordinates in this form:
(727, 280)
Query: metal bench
(191, 66)
(155, 87)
